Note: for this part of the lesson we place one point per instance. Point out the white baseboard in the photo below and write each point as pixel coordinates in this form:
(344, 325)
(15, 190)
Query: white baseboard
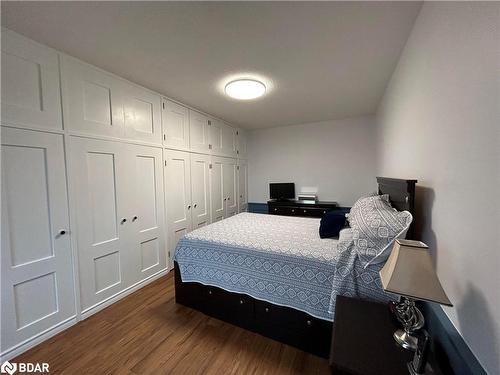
(116, 297)
(52, 331)
(37, 339)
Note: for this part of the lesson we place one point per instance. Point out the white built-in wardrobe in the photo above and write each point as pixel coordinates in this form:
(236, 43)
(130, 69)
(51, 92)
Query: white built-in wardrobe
(100, 179)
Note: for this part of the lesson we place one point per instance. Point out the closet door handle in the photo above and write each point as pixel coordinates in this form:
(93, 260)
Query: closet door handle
(228, 198)
(189, 207)
(62, 232)
(135, 218)
(195, 205)
(123, 221)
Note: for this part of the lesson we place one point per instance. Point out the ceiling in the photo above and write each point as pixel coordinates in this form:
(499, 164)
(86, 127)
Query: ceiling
(320, 61)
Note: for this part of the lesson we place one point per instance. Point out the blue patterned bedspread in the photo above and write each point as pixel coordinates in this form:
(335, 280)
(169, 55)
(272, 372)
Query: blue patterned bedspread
(278, 259)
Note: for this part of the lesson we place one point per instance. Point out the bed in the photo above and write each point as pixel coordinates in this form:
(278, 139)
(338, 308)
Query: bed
(273, 274)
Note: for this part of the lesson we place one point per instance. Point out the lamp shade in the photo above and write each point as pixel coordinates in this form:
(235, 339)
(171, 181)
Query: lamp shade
(409, 272)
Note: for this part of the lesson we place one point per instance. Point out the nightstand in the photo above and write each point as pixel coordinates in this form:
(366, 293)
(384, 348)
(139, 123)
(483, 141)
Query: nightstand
(362, 341)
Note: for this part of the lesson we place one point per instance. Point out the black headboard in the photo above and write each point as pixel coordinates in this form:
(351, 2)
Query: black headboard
(402, 196)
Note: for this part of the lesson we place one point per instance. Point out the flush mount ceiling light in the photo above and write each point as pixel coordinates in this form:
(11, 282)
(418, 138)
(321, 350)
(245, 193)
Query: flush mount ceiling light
(245, 89)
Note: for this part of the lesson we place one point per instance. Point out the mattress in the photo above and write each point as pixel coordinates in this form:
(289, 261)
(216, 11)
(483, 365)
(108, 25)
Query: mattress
(281, 260)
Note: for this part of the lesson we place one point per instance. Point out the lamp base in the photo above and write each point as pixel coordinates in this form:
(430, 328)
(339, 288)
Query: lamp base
(406, 340)
(412, 320)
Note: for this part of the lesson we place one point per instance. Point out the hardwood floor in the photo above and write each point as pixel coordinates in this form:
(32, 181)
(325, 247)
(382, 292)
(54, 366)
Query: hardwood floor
(148, 333)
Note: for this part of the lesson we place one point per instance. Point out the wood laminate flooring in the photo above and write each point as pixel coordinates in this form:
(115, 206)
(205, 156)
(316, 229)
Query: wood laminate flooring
(148, 333)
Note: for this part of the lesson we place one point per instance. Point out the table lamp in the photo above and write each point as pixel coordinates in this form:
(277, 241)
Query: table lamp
(409, 272)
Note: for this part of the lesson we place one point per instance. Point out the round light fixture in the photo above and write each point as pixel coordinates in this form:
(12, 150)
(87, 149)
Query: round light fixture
(245, 89)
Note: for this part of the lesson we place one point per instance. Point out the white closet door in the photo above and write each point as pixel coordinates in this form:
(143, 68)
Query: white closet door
(228, 141)
(217, 203)
(30, 83)
(92, 99)
(147, 222)
(36, 263)
(241, 137)
(142, 115)
(175, 125)
(242, 185)
(230, 178)
(215, 135)
(198, 132)
(101, 192)
(200, 190)
(178, 196)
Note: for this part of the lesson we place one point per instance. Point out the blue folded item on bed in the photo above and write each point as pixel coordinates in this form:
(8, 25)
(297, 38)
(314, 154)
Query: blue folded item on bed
(331, 224)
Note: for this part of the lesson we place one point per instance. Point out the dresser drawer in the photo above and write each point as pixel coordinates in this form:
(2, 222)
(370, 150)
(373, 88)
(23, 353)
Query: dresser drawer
(312, 211)
(298, 211)
(283, 210)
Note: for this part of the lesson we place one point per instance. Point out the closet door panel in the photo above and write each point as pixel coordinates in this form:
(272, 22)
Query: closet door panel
(105, 241)
(200, 190)
(217, 202)
(198, 132)
(215, 136)
(242, 185)
(36, 262)
(146, 189)
(178, 196)
(228, 141)
(142, 115)
(241, 137)
(147, 221)
(30, 83)
(175, 125)
(92, 99)
(230, 189)
(101, 197)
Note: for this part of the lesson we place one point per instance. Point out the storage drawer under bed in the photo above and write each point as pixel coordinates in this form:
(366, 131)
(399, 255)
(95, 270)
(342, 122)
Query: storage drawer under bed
(284, 324)
(293, 327)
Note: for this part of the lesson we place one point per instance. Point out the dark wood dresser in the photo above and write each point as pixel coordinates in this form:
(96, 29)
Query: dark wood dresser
(300, 208)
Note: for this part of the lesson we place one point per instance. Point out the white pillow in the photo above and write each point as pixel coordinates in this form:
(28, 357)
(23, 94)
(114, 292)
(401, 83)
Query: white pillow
(355, 207)
(375, 225)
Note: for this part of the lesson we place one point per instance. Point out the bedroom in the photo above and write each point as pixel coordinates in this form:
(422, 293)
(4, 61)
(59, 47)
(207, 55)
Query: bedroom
(141, 145)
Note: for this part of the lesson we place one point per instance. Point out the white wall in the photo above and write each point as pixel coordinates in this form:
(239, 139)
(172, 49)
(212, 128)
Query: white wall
(336, 157)
(439, 122)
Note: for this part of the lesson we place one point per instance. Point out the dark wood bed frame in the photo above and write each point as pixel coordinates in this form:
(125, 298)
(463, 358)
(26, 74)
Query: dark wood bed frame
(283, 324)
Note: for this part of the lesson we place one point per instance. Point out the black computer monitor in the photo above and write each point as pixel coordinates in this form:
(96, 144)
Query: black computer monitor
(282, 191)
